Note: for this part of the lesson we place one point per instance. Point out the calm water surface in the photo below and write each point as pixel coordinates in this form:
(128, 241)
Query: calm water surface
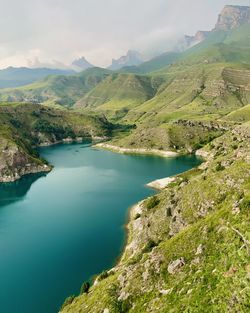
(58, 230)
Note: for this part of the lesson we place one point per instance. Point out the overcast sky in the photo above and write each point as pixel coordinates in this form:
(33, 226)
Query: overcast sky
(98, 29)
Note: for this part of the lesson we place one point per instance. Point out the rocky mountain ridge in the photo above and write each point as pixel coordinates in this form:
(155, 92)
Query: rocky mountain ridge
(233, 16)
(81, 64)
(132, 58)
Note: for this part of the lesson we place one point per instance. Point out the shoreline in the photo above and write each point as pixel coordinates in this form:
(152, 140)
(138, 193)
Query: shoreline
(141, 151)
(162, 183)
(29, 169)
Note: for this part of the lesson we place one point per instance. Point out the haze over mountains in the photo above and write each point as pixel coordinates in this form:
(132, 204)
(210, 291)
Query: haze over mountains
(132, 58)
(230, 18)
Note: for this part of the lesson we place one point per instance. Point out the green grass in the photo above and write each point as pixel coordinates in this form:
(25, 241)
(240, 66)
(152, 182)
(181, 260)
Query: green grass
(241, 115)
(201, 219)
(59, 90)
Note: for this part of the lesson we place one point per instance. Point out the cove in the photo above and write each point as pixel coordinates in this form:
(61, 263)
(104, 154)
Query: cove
(60, 229)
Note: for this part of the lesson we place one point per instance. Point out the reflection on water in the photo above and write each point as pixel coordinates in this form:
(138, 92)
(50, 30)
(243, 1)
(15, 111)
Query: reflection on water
(12, 192)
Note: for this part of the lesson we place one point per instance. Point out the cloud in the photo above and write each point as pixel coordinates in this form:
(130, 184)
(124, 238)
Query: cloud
(97, 29)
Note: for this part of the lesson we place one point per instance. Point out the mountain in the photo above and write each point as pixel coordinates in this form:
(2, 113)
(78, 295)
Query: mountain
(15, 77)
(60, 89)
(188, 245)
(154, 64)
(130, 59)
(25, 126)
(190, 41)
(81, 64)
(233, 16)
(119, 93)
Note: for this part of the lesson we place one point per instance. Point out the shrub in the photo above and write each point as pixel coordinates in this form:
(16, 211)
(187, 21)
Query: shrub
(138, 215)
(152, 202)
(103, 275)
(245, 204)
(125, 306)
(68, 301)
(85, 288)
(219, 167)
(149, 246)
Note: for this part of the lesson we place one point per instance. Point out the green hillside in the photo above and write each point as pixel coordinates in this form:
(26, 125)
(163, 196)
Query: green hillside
(119, 93)
(188, 246)
(61, 90)
(154, 64)
(19, 76)
(23, 126)
(221, 46)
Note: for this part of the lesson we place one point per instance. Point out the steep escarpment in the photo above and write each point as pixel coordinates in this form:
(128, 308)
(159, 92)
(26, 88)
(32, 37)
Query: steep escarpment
(233, 16)
(25, 126)
(188, 247)
(16, 161)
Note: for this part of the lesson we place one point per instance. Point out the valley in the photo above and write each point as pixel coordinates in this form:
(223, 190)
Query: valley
(187, 246)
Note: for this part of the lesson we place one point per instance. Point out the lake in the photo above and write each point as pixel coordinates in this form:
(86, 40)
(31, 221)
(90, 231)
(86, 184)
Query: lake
(60, 229)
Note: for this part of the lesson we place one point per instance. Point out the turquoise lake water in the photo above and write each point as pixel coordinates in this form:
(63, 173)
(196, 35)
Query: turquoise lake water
(60, 229)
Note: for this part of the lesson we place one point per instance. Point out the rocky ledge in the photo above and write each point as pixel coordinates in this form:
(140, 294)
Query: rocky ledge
(15, 162)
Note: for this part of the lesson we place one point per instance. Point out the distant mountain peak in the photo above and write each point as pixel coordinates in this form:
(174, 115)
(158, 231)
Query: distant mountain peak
(81, 64)
(190, 41)
(233, 16)
(132, 58)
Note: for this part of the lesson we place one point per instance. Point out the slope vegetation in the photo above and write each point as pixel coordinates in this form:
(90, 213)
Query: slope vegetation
(119, 93)
(61, 90)
(23, 126)
(188, 247)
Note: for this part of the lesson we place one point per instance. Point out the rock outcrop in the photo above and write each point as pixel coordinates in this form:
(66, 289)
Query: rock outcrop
(81, 64)
(15, 162)
(233, 16)
(130, 59)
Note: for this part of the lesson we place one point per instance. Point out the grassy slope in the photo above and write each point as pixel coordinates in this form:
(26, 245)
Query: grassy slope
(62, 90)
(155, 64)
(23, 126)
(12, 77)
(118, 93)
(203, 219)
(204, 85)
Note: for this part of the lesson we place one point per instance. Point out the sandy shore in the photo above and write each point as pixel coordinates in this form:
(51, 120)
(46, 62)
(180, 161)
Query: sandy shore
(161, 183)
(166, 154)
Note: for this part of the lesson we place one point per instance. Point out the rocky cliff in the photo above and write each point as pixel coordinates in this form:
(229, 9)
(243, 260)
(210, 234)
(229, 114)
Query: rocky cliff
(16, 162)
(233, 16)
(25, 126)
(130, 59)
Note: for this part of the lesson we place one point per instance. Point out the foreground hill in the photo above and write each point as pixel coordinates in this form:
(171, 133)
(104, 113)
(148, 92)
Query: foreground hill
(24, 126)
(188, 247)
